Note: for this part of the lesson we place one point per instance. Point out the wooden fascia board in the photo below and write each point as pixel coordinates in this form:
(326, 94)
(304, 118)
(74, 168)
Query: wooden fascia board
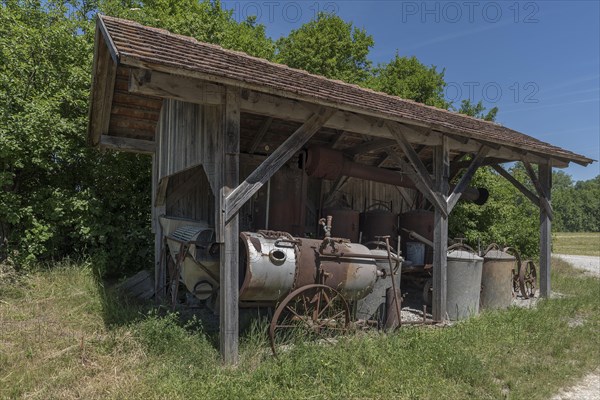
(101, 94)
(114, 52)
(138, 63)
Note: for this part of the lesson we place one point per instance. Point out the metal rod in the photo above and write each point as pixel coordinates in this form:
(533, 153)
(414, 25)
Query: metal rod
(389, 255)
(268, 204)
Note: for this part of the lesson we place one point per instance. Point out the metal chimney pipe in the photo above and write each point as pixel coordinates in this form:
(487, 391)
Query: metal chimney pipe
(330, 164)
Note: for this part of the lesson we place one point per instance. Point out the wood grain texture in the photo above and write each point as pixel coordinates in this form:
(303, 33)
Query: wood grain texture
(466, 178)
(229, 268)
(423, 182)
(526, 192)
(280, 156)
(440, 235)
(545, 181)
(127, 144)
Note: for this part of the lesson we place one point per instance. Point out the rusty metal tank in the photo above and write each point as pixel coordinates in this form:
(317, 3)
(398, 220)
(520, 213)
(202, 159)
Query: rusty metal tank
(496, 278)
(421, 222)
(345, 223)
(275, 263)
(379, 222)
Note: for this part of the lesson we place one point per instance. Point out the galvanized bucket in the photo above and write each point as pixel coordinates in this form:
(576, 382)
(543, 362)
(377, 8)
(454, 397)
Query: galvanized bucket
(463, 282)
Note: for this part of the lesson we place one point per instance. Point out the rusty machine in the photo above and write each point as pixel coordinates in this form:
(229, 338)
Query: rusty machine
(311, 283)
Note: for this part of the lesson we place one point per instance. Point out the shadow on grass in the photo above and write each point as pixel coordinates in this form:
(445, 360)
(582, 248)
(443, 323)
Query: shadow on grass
(119, 310)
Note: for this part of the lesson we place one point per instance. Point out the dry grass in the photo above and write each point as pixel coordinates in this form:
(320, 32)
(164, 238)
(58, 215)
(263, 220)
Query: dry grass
(63, 337)
(576, 243)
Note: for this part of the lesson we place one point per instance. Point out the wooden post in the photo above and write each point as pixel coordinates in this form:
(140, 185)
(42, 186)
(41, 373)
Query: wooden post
(229, 290)
(440, 231)
(160, 275)
(545, 180)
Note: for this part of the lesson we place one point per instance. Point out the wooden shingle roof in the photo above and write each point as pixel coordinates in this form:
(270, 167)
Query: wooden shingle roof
(134, 45)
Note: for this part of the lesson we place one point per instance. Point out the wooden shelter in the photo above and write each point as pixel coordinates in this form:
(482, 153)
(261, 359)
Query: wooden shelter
(219, 124)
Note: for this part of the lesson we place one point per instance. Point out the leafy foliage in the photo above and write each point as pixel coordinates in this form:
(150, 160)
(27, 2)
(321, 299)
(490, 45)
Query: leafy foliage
(328, 46)
(576, 205)
(508, 218)
(477, 110)
(410, 79)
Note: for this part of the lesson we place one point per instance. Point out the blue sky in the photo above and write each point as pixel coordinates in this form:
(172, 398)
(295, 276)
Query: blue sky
(538, 61)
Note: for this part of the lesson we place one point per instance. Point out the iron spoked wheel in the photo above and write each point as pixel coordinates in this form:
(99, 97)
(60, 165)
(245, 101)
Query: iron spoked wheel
(527, 279)
(311, 312)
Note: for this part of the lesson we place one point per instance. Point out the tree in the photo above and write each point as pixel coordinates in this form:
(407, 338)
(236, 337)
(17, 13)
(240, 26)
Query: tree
(576, 205)
(410, 79)
(59, 197)
(477, 110)
(328, 46)
(508, 218)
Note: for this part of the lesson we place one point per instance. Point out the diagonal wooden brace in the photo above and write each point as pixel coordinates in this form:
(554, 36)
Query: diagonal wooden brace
(466, 178)
(236, 199)
(423, 182)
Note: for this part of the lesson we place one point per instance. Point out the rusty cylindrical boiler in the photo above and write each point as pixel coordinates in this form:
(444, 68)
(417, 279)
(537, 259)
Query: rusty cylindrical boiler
(273, 264)
(330, 164)
(379, 222)
(497, 278)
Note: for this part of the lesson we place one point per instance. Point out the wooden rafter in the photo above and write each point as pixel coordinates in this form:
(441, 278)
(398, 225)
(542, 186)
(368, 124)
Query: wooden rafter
(262, 131)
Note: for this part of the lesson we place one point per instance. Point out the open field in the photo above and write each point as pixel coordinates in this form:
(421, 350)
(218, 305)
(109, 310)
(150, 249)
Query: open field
(577, 243)
(64, 336)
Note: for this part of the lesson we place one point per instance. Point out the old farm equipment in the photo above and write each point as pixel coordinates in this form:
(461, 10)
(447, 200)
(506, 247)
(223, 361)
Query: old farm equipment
(310, 283)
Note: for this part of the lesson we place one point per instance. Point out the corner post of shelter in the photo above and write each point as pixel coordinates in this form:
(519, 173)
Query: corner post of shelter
(545, 180)
(159, 253)
(228, 230)
(440, 232)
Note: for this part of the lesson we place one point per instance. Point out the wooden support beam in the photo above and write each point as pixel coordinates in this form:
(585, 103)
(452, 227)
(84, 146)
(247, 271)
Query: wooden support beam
(426, 185)
(229, 260)
(545, 180)
(160, 267)
(262, 131)
(293, 144)
(440, 234)
(544, 203)
(127, 144)
(153, 83)
(466, 178)
(526, 192)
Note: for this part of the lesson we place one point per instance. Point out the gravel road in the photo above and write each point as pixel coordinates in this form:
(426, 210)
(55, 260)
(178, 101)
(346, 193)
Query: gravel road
(589, 387)
(589, 264)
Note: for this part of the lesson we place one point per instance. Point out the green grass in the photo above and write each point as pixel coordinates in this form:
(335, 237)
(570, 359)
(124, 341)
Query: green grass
(63, 336)
(576, 243)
